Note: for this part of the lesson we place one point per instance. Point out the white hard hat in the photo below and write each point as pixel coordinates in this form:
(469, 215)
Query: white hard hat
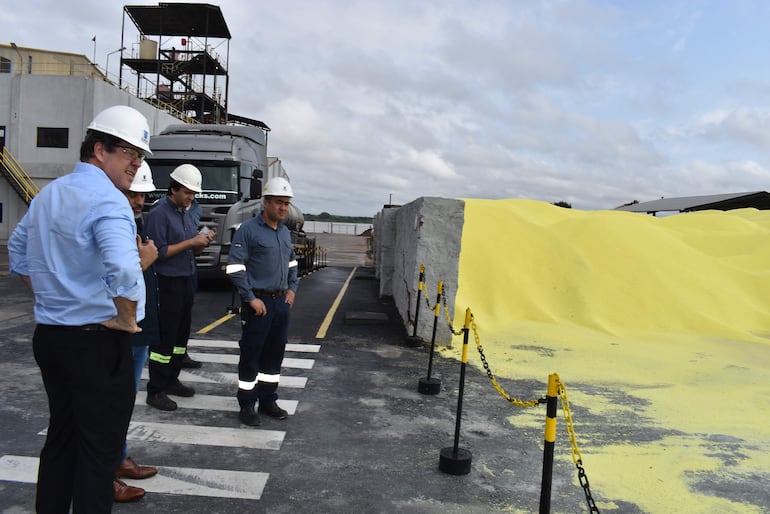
(189, 176)
(277, 186)
(126, 123)
(142, 182)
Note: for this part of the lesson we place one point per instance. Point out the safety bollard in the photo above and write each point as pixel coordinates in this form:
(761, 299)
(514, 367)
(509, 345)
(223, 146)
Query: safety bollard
(455, 460)
(430, 385)
(550, 437)
(413, 340)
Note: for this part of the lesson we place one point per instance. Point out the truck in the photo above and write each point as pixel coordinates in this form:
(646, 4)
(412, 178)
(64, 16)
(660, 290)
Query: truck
(234, 166)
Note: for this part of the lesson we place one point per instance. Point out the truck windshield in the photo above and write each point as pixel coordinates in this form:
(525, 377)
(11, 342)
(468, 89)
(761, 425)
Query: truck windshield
(220, 180)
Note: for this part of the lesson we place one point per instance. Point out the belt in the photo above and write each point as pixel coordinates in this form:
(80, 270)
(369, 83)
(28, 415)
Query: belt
(91, 327)
(271, 294)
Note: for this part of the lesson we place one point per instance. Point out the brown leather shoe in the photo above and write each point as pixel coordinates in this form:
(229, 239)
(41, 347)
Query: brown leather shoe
(124, 492)
(130, 469)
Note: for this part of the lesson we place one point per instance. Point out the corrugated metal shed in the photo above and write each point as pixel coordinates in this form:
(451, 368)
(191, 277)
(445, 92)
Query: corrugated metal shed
(723, 202)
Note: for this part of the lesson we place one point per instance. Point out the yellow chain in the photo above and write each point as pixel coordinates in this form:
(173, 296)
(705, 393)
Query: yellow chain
(449, 321)
(577, 458)
(495, 384)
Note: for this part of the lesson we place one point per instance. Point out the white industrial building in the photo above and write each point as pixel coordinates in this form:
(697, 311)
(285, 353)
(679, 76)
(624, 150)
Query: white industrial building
(47, 99)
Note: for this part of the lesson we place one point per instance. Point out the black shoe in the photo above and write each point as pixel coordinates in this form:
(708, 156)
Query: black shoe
(188, 363)
(160, 401)
(249, 417)
(179, 389)
(273, 410)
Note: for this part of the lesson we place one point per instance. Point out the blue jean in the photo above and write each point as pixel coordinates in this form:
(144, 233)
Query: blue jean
(140, 358)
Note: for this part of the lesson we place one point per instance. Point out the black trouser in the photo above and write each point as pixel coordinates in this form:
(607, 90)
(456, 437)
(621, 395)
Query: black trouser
(89, 378)
(262, 345)
(175, 316)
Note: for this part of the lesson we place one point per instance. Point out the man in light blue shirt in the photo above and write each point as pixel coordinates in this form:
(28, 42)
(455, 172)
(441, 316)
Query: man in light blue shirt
(77, 249)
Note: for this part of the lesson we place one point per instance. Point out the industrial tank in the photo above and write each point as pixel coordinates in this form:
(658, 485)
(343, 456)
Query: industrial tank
(148, 49)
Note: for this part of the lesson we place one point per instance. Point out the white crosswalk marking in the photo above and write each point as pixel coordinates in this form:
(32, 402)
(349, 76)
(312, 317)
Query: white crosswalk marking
(218, 403)
(218, 343)
(205, 435)
(308, 348)
(222, 483)
(217, 377)
(16, 468)
(191, 481)
(226, 358)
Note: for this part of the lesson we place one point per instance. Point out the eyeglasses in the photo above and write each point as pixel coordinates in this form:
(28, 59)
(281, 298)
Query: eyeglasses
(131, 153)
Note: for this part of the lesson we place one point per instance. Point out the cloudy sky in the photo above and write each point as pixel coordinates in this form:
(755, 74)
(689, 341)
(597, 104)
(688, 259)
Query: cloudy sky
(596, 103)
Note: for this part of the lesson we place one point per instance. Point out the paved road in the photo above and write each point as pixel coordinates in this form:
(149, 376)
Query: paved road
(360, 438)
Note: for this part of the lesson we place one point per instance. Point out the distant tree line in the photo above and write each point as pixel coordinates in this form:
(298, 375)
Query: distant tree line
(325, 216)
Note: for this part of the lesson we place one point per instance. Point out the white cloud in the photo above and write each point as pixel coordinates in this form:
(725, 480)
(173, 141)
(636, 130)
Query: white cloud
(586, 101)
(742, 125)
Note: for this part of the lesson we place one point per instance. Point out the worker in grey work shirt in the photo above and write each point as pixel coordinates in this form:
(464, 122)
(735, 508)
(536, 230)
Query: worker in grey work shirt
(263, 266)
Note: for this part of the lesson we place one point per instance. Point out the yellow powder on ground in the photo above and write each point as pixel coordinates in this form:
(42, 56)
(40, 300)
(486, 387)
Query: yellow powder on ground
(660, 324)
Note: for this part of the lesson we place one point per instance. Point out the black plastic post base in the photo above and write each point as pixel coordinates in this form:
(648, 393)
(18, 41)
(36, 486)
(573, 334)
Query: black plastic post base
(429, 385)
(413, 341)
(455, 463)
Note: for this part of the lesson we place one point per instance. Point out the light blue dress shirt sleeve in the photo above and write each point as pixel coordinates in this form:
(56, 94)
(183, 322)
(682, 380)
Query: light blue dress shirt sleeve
(17, 248)
(77, 243)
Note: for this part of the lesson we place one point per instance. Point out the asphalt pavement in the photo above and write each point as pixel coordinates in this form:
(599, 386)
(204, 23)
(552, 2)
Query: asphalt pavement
(360, 437)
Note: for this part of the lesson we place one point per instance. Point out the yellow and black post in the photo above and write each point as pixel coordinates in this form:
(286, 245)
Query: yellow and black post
(413, 340)
(431, 385)
(455, 460)
(550, 438)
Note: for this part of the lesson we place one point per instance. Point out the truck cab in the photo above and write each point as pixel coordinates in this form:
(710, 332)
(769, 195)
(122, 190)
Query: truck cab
(233, 163)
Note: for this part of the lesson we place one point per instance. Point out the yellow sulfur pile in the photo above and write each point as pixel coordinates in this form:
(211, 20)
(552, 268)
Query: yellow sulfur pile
(673, 313)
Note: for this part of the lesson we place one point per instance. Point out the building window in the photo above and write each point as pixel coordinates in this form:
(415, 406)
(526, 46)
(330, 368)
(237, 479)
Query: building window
(5, 65)
(53, 137)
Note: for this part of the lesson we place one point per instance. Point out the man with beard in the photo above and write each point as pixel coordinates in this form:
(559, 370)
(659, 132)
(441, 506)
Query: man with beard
(263, 266)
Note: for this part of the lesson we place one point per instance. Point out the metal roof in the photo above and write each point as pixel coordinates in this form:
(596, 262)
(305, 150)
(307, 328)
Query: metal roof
(192, 20)
(725, 201)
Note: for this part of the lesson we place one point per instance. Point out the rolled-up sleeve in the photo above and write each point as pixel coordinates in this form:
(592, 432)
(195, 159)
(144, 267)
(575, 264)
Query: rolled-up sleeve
(116, 239)
(17, 249)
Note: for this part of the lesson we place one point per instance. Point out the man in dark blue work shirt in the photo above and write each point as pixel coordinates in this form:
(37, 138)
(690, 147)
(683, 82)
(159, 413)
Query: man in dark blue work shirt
(76, 248)
(169, 224)
(263, 267)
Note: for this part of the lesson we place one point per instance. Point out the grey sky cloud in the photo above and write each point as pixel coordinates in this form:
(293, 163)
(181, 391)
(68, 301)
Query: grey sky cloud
(591, 102)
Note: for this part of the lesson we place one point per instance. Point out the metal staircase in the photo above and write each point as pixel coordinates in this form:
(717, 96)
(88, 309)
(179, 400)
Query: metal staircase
(20, 181)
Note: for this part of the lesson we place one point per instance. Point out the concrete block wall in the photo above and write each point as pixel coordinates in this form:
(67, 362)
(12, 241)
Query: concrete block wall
(384, 230)
(425, 231)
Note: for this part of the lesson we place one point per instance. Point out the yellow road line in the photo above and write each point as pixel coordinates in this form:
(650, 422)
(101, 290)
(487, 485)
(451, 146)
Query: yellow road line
(329, 315)
(212, 326)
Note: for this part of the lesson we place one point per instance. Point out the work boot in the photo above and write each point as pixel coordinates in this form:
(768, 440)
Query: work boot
(160, 401)
(273, 410)
(188, 363)
(130, 469)
(125, 493)
(249, 417)
(179, 389)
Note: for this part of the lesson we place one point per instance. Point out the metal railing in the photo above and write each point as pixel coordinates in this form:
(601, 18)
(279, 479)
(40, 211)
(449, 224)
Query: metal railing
(19, 179)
